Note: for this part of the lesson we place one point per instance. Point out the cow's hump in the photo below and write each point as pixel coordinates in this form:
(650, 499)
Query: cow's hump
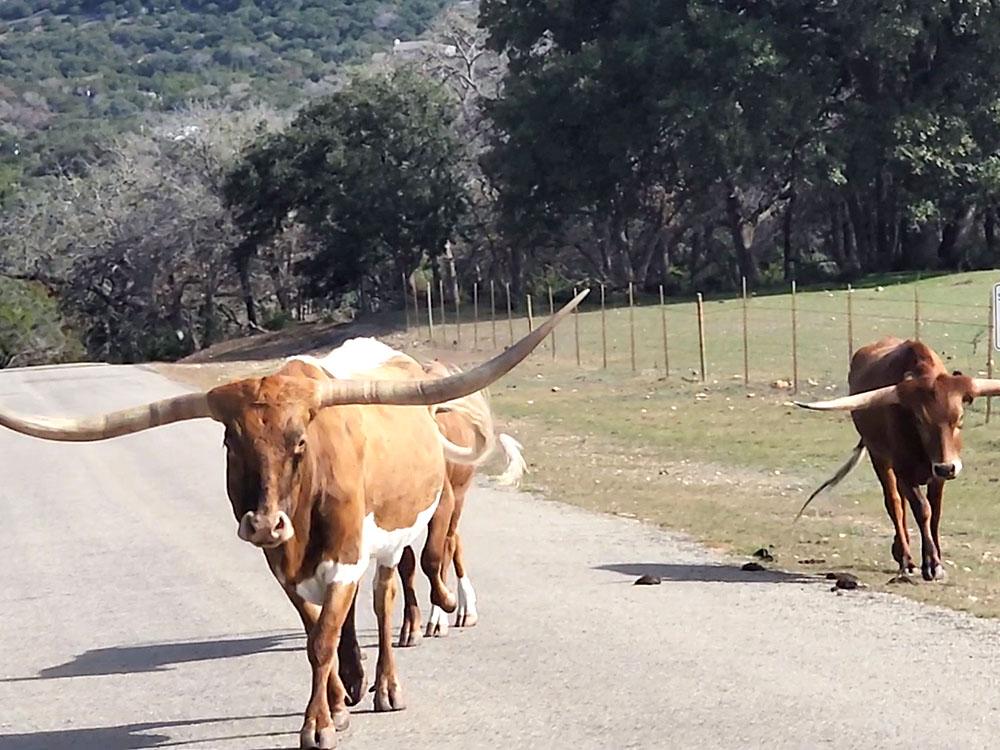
(355, 357)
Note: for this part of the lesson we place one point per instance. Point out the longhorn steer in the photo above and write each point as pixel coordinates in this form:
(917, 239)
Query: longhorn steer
(468, 423)
(322, 485)
(908, 411)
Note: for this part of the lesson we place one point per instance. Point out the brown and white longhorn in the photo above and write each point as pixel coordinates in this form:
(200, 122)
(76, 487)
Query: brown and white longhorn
(325, 475)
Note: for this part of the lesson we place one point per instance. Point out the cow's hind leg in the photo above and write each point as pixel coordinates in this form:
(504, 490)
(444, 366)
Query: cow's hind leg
(432, 557)
(409, 634)
(897, 514)
(466, 614)
(931, 567)
(327, 709)
(437, 622)
(388, 695)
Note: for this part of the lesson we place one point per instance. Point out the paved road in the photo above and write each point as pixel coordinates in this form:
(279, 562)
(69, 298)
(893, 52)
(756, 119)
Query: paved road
(132, 617)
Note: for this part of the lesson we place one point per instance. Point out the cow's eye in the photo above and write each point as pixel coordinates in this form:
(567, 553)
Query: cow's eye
(300, 448)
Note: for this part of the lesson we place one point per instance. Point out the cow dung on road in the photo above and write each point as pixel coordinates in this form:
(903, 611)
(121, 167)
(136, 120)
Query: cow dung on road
(647, 581)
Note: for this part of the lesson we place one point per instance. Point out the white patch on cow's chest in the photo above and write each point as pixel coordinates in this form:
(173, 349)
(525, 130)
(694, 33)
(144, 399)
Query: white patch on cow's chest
(386, 547)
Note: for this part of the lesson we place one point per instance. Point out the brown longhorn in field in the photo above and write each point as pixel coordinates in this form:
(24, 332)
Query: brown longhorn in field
(908, 412)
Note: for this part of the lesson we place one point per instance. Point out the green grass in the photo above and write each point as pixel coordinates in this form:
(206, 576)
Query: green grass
(730, 465)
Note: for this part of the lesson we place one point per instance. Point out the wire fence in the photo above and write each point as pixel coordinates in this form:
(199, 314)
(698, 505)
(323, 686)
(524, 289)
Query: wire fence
(796, 340)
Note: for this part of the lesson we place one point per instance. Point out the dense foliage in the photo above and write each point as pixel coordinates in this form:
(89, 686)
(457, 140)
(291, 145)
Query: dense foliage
(370, 172)
(71, 73)
(687, 143)
(31, 327)
(694, 141)
(140, 249)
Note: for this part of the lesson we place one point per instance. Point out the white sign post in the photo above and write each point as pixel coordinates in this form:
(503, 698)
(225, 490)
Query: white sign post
(995, 313)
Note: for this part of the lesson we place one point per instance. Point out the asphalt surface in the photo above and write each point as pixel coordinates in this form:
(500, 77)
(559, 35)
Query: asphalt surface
(131, 616)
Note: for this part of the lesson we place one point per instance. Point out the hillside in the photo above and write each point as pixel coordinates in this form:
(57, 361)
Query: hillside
(72, 72)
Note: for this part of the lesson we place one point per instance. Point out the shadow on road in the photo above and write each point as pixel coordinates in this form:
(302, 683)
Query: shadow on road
(133, 736)
(156, 657)
(705, 573)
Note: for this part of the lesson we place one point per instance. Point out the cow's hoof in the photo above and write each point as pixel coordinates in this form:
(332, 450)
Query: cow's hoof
(933, 572)
(437, 623)
(465, 614)
(389, 698)
(342, 720)
(409, 637)
(311, 738)
(466, 620)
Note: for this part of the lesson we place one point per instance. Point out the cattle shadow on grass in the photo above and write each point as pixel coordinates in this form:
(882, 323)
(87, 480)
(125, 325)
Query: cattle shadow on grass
(705, 573)
(139, 736)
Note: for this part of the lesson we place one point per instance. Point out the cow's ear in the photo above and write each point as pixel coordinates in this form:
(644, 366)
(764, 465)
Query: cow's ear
(956, 373)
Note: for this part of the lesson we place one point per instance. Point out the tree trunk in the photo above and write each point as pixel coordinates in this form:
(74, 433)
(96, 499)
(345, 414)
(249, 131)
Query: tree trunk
(860, 234)
(790, 257)
(837, 249)
(990, 231)
(449, 259)
(950, 253)
(208, 323)
(280, 290)
(516, 264)
(243, 258)
(742, 233)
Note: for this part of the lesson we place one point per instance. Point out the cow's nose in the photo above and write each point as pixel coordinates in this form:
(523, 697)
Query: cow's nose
(946, 470)
(266, 528)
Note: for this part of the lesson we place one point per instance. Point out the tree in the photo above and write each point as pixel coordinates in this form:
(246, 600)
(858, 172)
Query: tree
(734, 133)
(140, 248)
(31, 327)
(370, 172)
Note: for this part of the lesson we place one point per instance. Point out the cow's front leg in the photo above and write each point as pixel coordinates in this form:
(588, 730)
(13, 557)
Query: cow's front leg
(388, 695)
(349, 656)
(409, 634)
(931, 567)
(935, 494)
(327, 709)
(897, 514)
(350, 670)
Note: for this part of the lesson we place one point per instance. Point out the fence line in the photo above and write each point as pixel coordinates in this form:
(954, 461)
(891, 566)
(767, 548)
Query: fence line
(739, 338)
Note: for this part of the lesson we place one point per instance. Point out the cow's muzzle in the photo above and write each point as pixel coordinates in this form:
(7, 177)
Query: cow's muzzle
(266, 529)
(948, 470)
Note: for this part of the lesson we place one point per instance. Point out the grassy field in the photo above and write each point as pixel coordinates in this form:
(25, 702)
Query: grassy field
(729, 464)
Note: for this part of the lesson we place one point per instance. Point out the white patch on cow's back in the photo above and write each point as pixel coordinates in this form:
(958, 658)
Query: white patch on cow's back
(353, 357)
(386, 547)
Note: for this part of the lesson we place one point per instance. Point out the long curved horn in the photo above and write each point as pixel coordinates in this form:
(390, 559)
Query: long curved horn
(439, 390)
(865, 400)
(986, 387)
(104, 426)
